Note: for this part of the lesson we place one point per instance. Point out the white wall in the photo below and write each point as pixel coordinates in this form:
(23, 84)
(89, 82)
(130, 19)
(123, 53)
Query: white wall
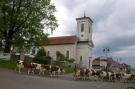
(86, 35)
(63, 49)
(84, 51)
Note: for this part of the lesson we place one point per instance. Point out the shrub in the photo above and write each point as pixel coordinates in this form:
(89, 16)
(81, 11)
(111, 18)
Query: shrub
(41, 57)
(42, 60)
(41, 52)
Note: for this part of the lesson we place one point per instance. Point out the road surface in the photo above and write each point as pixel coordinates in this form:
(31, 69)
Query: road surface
(12, 80)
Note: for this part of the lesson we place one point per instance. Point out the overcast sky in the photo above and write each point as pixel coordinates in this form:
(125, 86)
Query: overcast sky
(113, 27)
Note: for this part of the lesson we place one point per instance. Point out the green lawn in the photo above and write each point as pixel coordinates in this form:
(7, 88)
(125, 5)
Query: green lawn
(7, 64)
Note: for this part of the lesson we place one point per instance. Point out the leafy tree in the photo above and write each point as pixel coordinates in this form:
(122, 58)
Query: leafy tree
(22, 22)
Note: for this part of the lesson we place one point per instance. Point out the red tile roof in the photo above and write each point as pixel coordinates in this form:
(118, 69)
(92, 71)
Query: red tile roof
(96, 61)
(62, 40)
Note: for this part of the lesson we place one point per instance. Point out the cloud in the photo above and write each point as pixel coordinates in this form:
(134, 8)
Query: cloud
(113, 27)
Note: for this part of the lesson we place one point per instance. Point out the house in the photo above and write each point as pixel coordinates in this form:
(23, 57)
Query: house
(103, 62)
(77, 46)
(99, 63)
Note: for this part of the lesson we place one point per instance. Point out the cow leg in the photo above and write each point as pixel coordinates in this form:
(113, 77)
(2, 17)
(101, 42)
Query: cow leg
(32, 70)
(19, 69)
(28, 71)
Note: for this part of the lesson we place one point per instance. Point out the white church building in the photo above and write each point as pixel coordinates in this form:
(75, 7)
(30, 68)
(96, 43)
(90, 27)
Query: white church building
(77, 46)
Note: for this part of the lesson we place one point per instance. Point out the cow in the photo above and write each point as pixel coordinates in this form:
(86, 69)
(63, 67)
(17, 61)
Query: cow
(29, 66)
(19, 65)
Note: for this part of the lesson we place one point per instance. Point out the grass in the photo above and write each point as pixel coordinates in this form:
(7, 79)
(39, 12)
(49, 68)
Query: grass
(7, 64)
(69, 70)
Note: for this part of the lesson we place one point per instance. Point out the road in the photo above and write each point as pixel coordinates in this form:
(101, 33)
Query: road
(12, 80)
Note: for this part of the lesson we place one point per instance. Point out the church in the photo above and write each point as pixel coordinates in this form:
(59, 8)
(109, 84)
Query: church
(77, 46)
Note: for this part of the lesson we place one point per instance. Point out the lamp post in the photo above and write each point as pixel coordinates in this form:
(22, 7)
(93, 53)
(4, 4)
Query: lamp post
(106, 51)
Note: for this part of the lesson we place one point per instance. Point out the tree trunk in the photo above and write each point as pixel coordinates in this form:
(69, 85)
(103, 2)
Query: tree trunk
(7, 46)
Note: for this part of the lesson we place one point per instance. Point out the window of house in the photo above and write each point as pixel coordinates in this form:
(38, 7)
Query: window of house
(82, 27)
(67, 54)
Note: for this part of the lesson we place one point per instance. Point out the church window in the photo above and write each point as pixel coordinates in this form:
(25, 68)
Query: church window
(48, 53)
(82, 27)
(67, 54)
(89, 29)
(81, 35)
(80, 58)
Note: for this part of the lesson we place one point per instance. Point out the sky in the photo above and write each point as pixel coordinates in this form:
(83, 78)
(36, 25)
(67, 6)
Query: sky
(113, 27)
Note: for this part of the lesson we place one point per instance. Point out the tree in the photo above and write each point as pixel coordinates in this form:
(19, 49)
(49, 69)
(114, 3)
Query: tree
(22, 22)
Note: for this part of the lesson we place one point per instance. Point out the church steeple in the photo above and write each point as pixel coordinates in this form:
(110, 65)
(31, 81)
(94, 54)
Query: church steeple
(84, 28)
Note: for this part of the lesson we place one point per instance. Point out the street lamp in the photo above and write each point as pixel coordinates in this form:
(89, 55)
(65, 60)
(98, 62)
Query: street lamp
(106, 51)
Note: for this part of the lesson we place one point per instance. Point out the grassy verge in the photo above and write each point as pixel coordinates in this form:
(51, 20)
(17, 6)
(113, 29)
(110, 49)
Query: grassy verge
(69, 70)
(7, 64)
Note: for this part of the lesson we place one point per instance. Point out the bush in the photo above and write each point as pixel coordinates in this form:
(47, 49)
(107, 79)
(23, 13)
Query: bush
(41, 52)
(41, 57)
(42, 60)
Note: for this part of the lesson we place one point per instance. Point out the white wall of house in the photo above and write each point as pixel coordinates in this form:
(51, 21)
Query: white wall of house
(63, 49)
(103, 63)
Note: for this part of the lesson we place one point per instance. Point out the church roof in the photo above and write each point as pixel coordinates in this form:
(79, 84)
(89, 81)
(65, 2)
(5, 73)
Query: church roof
(62, 40)
(84, 18)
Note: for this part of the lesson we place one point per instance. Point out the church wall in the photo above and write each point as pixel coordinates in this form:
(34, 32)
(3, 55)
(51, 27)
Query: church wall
(85, 52)
(63, 49)
(84, 36)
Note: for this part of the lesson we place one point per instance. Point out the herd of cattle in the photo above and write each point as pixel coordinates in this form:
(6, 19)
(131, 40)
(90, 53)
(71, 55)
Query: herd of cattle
(79, 73)
(89, 74)
(41, 69)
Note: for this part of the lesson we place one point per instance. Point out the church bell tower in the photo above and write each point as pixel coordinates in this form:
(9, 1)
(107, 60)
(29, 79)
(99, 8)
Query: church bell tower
(84, 44)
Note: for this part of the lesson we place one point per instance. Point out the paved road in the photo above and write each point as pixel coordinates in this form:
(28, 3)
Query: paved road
(12, 80)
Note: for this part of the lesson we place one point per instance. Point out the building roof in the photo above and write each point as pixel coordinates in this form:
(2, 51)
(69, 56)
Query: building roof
(84, 18)
(96, 61)
(62, 40)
